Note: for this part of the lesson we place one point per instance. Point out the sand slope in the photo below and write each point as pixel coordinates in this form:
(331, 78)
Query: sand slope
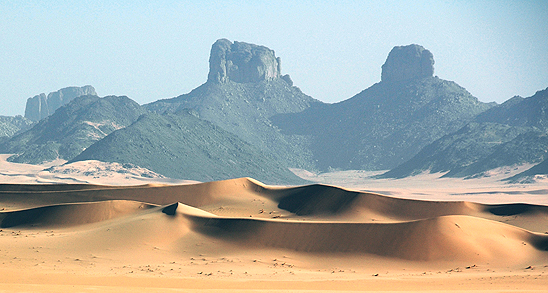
(314, 218)
(67, 215)
(241, 229)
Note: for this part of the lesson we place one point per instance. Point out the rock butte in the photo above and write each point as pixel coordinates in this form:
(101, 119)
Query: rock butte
(40, 106)
(408, 62)
(243, 63)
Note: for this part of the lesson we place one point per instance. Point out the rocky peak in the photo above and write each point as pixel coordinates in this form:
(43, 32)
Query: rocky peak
(242, 62)
(40, 106)
(408, 62)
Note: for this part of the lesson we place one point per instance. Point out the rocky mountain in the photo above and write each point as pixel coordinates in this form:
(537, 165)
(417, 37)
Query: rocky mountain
(10, 125)
(513, 133)
(72, 128)
(180, 145)
(244, 90)
(388, 123)
(248, 119)
(40, 106)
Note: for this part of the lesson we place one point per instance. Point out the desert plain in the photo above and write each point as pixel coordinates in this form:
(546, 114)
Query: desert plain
(98, 227)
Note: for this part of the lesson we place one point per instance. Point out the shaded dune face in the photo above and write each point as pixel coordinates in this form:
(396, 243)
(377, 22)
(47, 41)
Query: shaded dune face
(444, 238)
(317, 219)
(68, 215)
(325, 200)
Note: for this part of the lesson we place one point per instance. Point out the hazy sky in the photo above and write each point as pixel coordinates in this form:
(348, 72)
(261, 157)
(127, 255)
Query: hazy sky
(150, 50)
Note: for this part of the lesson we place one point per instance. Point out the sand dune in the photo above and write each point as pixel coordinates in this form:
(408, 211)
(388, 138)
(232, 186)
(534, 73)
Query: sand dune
(312, 202)
(246, 230)
(67, 215)
(445, 238)
(335, 219)
(439, 238)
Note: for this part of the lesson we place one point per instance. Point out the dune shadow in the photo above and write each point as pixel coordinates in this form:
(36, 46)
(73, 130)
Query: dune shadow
(317, 199)
(511, 209)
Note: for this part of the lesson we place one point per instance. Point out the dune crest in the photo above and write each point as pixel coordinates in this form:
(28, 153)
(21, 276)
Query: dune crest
(446, 238)
(242, 229)
(319, 221)
(68, 215)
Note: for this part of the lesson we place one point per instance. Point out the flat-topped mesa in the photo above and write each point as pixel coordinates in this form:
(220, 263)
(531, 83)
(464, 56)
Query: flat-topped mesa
(408, 62)
(40, 106)
(242, 62)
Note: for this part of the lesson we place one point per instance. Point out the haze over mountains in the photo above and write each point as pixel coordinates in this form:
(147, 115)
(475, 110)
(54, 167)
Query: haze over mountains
(248, 119)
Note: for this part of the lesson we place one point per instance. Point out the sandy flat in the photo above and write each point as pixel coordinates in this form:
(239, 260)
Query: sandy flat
(63, 229)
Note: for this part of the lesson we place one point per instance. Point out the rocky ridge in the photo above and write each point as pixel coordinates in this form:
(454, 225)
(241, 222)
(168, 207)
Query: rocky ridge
(181, 145)
(511, 134)
(10, 126)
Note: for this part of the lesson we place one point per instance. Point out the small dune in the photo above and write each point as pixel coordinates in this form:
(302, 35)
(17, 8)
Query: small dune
(243, 229)
(68, 215)
(440, 238)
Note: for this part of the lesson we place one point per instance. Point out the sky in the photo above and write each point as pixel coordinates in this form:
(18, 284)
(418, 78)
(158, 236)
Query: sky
(150, 50)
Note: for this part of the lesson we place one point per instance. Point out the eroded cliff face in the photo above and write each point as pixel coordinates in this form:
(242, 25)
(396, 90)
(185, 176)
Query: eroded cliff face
(242, 62)
(408, 62)
(40, 106)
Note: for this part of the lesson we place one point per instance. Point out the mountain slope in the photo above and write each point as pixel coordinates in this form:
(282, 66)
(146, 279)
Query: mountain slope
(9, 125)
(512, 133)
(72, 128)
(244, 89)
(531, 112)
(457, 150)
(388, 123)
(181, 145)
(529, 175)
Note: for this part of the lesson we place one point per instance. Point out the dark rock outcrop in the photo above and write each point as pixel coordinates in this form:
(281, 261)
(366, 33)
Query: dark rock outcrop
(408, 62)
(242, 62)
(40, 106)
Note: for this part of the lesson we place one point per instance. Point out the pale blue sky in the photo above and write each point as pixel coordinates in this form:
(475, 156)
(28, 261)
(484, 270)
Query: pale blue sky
(150, 50)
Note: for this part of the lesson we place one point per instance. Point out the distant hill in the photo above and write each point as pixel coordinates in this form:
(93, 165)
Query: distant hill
(513, 133)
(244, 90)
(10, 125)
(72, 128)
(388, 123)
(530, 147)
(41, 106)
(180, 145)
